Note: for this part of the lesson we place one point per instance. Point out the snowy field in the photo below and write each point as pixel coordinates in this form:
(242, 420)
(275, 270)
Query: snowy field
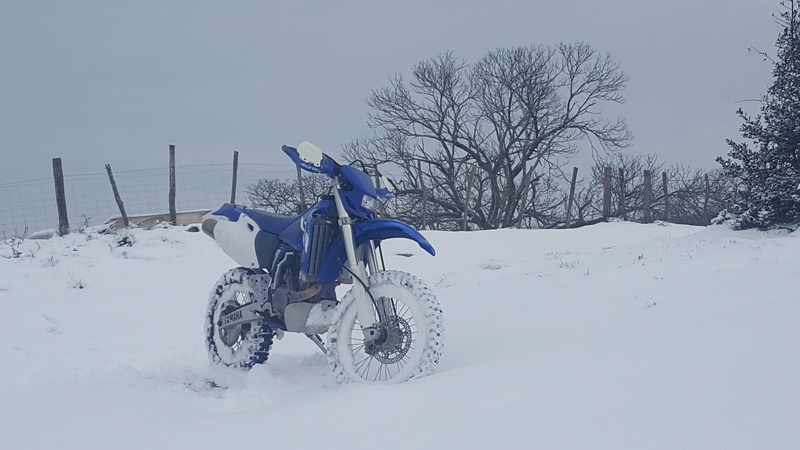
(616, 336)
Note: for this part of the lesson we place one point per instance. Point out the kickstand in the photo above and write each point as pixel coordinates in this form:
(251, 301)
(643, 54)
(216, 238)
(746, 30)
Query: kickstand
(318, 340)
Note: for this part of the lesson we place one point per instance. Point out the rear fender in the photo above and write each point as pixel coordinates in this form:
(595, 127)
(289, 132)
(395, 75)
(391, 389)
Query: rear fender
(372, 230)
(240, 237)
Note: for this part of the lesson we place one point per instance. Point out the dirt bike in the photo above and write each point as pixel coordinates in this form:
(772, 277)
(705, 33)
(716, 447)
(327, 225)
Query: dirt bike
(386, 328)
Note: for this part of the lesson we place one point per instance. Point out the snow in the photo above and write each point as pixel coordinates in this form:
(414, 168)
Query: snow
(619, 335)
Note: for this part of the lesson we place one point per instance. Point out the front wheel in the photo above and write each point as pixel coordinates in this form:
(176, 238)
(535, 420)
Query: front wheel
(410, 338)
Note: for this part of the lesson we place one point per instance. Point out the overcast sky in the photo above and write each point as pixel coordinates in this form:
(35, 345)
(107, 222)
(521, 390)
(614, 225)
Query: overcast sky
(117, 82)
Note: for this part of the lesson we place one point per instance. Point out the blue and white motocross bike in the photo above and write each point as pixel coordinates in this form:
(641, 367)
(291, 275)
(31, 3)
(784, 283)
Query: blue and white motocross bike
(386, 328)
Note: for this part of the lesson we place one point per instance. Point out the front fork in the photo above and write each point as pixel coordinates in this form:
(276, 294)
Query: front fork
(364, 306)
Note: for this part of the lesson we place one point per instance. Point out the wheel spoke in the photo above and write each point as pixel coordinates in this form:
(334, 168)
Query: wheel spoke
(389, 374)
(381, 372)
(357, 348)
(363, 361)
(392, 353)
(403, 309)
(367, 366)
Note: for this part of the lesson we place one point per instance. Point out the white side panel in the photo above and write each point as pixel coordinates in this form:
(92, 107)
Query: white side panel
(237, 240)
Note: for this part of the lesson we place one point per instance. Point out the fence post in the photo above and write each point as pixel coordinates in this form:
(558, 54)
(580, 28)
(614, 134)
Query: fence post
(424, 208)
(526, 178)
(470, 176)
(173, 213)
(646, 195)
(571, 198)
(235, 175)
(607, 192)
(378, 184)
(424, 196)
(706, 219)
(61, 197)
(117, 197)
(622, 194)
(666, 196)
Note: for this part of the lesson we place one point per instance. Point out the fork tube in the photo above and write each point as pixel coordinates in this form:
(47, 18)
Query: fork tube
(373, 258)
(383, 306)
(366, 313)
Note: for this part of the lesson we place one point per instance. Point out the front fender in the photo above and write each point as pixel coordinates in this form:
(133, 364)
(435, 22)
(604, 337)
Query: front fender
(380, 229)
(371, 230)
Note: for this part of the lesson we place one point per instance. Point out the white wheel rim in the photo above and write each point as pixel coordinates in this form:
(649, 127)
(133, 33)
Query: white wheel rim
(236, 352)
(358, 365)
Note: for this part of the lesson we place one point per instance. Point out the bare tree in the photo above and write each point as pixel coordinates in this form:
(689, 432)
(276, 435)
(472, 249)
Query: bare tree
(509, 119)
(283, 196)
(690, 202)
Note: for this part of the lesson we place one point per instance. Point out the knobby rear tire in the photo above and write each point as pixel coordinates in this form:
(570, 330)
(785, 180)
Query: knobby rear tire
(252, 343)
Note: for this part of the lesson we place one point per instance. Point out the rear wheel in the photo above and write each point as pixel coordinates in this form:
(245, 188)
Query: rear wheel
(241, 346)
(409, 337)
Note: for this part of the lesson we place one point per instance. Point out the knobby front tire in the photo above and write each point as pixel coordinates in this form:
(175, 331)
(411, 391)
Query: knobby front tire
(412, 333)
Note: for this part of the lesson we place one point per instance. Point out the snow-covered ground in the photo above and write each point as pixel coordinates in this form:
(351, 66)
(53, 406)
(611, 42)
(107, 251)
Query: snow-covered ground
(619, 336)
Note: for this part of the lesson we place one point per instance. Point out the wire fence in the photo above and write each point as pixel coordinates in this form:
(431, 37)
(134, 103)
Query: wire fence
(30, 206)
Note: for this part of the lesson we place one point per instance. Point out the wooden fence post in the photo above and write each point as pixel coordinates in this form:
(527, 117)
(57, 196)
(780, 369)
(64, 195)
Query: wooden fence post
(424, 196)
(234, 176)
(526, 179)
(666, 196)
(706, 219)
(381, 210)
(173, 213)
(622, 211)
(646, 195)
(571, 198)
(607, 192)
(61, 197)
(120, 205)
(470, 176)
(424, 208)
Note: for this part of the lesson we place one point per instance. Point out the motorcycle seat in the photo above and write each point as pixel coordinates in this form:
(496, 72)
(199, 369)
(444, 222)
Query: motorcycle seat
(270, 222)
